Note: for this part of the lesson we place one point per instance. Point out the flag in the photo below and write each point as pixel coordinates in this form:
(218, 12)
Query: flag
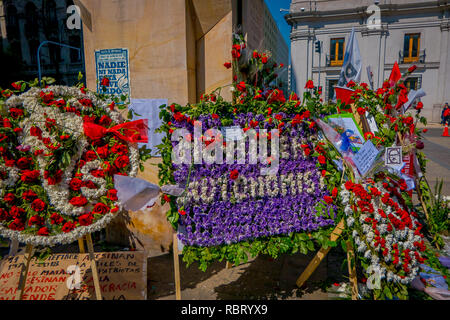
(395, 75)
(344, 94)
(351, 68)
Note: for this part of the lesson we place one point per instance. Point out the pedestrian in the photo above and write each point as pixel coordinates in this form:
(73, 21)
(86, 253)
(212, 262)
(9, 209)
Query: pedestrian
(444, 110)
(446, 115)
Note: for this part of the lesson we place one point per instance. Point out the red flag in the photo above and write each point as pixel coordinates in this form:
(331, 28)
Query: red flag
(345, 95)
(395, 75)
(135, 131)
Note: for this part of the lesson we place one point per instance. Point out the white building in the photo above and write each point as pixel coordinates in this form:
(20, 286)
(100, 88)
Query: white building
(411, 32)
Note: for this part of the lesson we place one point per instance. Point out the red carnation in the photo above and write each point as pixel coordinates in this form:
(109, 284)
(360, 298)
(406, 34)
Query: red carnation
(43, 231)
(7, 123)
(16, 212)
(90, 155)
(112, 195)
(234, 174)
(334, 192)
(36, 220)
(38, 205)
(36, 132)
(9, 198)
(78, 201)
(23, 163)
(56, 218)
(86, 219)
(241, 86)
(75, 184)
(105, 82)
(328, 199)
(3, 214)
(119, 149)
(309, 84)
(68, 226)
(89, 184)
(227, 65)
(100, 208)
(15, 112)
(264, 59)
(321, 159)
(122, 162)
(98, 173)
(17, 225)
(103, 152)
(29, 176)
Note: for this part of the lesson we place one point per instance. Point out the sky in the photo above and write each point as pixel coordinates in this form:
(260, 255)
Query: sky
(274, 7)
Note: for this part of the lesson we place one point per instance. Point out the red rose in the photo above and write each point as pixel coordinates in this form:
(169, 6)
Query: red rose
(264, 59)
(54, 178)
(36, 220)
(234, 174)
(105, 121)
(86, 102)
(86, 219)
(43, 231)
(182, 212)
(419, 105)
(68, 226)
(100, 208)
(29, 176)
(241, 86)
(321, 159)
(23, 163)
(47, 97)
(112, 195)
(15, 112)
(9, 198)
(227, 65)
(75, 184)
(16, 212)
(309, 84)
(38, 205)
(56, 218)
(17, 225)
(119, 149)
(121, 162)
(89, 119)
(9, 162)
(78, 201)
(105, 82)
(103, 151)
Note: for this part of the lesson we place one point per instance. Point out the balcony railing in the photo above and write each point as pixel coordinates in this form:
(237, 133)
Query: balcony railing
(333, 63)
(406, 59)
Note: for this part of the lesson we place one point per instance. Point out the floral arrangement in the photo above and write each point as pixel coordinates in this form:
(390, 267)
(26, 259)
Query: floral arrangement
(60, 148)
(225, 209)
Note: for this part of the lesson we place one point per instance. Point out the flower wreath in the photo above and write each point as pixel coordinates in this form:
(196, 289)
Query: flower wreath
(56, 182)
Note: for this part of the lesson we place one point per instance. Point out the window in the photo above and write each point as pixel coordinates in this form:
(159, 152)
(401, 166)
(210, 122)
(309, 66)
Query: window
(12, 24)
(413, 83)
(75, 41)
(337, 51)
(31, 25)
(411, 48)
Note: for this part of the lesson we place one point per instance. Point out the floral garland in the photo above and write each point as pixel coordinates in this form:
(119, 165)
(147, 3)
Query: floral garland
(56, 183)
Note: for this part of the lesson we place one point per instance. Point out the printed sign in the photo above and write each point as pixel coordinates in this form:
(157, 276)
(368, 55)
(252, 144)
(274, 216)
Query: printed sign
(68, 276)
(114, 65)
(393, 156)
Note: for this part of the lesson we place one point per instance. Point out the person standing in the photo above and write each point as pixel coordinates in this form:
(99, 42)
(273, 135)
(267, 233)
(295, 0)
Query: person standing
(444, 111)
(446, 115)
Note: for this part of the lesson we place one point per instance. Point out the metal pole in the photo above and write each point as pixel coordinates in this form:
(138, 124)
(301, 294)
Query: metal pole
(320, 58)
(55, 43)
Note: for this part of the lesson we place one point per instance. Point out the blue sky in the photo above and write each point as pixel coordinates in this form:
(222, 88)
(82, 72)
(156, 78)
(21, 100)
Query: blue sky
(274, 7)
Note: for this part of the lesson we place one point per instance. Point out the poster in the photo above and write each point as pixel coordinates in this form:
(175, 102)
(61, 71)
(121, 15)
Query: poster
(113, 64)
(351, 134)
(67, 276)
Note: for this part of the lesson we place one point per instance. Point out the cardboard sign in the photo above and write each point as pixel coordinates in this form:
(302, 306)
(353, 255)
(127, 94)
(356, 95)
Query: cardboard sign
(114, 65)
(68, 276)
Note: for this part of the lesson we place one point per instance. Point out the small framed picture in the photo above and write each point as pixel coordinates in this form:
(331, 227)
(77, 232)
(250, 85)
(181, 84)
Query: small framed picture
(393, 156)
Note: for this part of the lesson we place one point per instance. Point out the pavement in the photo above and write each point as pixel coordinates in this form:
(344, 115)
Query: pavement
(437, 151)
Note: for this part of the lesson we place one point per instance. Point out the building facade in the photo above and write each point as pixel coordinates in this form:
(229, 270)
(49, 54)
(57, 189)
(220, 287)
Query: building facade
(410, 32)
(25, 24)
